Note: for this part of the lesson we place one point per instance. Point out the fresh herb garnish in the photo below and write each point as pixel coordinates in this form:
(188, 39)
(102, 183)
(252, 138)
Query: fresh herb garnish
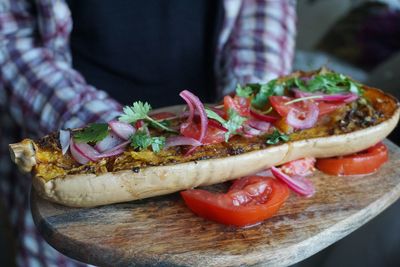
(325, 82)
(141, 140)
(140, 111)
(275, 137)
(166, 123)
(271, 88)
(246, 91)
(213, 115)
(94, 132)
(328, 83)
(232, 125)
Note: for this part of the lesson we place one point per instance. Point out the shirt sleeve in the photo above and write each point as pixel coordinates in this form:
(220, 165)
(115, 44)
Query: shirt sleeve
(261, 45)
(38, 85)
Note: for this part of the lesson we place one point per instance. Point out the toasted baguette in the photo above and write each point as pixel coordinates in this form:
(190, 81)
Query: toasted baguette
(89, 189)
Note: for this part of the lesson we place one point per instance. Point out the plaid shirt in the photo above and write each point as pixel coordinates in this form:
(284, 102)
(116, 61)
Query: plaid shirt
(40, 92)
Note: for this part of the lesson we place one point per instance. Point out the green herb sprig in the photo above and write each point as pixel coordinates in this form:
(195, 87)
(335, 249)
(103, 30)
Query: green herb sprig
(94, 132)
(329, 83)
(325, 81)
(140, 111)
(276, 137)
(232, 125)
(141, 140)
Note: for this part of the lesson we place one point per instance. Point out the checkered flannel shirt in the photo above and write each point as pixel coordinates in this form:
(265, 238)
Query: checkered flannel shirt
(40, 92)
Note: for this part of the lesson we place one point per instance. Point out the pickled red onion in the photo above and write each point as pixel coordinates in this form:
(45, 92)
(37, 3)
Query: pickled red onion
(303, 119)
(298, 184)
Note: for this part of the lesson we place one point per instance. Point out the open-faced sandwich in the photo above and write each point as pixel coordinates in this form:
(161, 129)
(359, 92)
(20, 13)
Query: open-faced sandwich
(144, 153)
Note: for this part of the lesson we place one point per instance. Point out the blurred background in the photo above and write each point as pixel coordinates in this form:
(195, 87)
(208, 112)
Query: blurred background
(362, 39)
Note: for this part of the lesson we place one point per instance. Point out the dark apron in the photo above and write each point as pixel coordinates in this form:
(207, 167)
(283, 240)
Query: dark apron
(147, 50)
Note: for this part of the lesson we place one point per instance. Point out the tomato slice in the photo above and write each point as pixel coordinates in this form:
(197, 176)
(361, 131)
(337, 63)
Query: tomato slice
(364, 162)
(250, 200)
(326, 108)
(299, 167)
(215, 134)
(240, 104)
(278, 103)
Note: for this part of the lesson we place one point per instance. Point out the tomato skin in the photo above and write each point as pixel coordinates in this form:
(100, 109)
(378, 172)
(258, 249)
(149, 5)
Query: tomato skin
(364, 162)
(163, 115)
(213, 135)
(240, 104)
(326, 108)
(243, 205)
(278, 103)
(300, 167)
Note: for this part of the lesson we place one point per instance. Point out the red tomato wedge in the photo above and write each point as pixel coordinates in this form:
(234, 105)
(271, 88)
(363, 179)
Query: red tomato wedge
(240, 104)
(364, 162)
(326, 108)
(215, 133)
(278, 103)
(301, 167)
(250, 200)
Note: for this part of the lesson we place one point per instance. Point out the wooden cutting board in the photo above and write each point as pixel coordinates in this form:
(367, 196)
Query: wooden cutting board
(162, 231)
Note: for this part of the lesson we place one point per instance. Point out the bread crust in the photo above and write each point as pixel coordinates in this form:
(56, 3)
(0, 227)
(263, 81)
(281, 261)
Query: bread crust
(89, 190)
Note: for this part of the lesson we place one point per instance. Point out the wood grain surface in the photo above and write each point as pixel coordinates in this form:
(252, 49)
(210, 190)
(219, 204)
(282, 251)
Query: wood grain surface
(163, 232)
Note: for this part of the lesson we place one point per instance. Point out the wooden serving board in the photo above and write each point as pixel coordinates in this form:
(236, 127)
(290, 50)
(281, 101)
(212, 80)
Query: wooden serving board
(162, 231)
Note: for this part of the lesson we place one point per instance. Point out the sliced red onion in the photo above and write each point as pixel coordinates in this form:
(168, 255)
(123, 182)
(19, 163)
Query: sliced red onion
(352, 97)
(310, 114)
(122, 129)
(77, 154)
(192, 111)
(195, 103)
(120, 148)
(298, 184)
(83, 153)
(112, 152)
(263, 117)
(340, 97)
(181, 141)
(300, 94)
(107, 143)
(250, 131)
(86, 151)
(259, 125)
(65, 138)
(122, 145)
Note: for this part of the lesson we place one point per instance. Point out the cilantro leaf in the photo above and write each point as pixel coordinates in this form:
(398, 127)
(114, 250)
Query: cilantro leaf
(246, 91)
(157, 143)
(94, 132)
(141, 140)
(271, 88)
(329, 83)
(140, 111)
(276, 137)
(213, 115)
(232, 125)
